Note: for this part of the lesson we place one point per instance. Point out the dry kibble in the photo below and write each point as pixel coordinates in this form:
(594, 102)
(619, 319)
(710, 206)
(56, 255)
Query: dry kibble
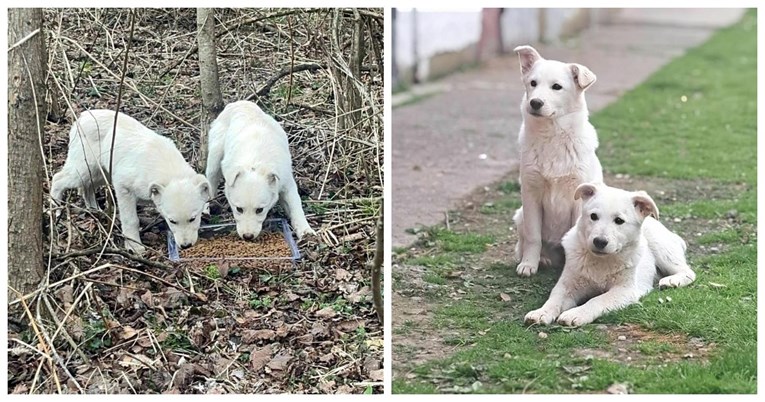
(267, 244)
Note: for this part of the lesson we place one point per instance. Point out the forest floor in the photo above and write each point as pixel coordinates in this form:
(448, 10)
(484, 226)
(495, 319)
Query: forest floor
(116, 323)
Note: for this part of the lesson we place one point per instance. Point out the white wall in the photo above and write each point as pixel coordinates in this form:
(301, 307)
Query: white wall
(520, 26)
(437, 32)
(555, 18)
(450, 31)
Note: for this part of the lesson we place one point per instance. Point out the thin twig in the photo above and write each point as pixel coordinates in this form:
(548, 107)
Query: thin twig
(24, 39)
(292, 63)
(40, 339)
(119, 101)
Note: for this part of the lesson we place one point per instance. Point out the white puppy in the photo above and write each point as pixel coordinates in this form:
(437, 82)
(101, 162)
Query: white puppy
(250, 150)
(614, 255)
(557, 152)
(147, 166)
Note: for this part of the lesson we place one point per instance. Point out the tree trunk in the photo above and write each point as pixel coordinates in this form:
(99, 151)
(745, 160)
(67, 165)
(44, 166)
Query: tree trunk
(348, 72)
(490, 42)
(26, 117)
(212, 100)
(377, 263)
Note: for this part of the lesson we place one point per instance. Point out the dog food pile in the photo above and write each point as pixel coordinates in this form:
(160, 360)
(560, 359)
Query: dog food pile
(267, 244)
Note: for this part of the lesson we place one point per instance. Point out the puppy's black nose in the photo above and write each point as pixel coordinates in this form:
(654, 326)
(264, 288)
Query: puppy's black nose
(185, 246)
(536, 104)
(600, 242)
(248, 236)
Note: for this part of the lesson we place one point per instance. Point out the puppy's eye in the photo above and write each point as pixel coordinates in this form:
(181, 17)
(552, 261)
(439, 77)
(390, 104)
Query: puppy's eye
(618, 221)
(173, 222)
(240, 210)
(557, 87)
(259, 211)
(192, 219)
(594, 217)
(533, 83)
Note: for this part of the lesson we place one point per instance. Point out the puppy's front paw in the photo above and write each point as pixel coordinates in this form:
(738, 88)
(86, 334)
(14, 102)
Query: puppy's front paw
(305, 230)
(135, 247)
(539, 316)
(674, 281)
(526, 269)
(575, 317)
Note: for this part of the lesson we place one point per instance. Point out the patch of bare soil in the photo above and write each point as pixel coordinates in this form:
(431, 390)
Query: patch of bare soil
(106, 321)
(634, 345)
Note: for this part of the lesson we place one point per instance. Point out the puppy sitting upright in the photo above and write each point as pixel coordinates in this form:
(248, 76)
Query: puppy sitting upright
(146, 166)
(557, 152)
(614, 255)
(250, 150)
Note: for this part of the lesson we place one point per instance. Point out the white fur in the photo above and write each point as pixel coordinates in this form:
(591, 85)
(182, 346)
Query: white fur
(250, 150)
(557, 152)
(614, 254)
(147, 166)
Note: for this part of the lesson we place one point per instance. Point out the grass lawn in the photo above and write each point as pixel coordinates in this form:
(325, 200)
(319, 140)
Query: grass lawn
(688, 135)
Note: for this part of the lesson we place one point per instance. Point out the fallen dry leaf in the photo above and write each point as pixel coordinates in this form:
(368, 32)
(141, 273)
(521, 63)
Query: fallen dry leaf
(505, 297)
(377, 375)
(183, 375)
(127, 332)
(349, 325)
(124, 296)
(66, 295)
(259, 357)
(618, 388)
(326, 312)
(342, 274)
(279, 362)
(251, 336)
(362, 294)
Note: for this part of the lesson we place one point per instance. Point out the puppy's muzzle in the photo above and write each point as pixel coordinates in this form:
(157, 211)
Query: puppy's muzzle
(248, 236)
(185, 245)
(599, 243)
(536, 104)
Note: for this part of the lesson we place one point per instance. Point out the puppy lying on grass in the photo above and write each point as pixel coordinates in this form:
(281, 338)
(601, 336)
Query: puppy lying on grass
(615, 253)
(147, 166)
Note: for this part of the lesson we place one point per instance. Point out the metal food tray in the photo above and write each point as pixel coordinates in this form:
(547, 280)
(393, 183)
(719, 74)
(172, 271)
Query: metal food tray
(211, 230)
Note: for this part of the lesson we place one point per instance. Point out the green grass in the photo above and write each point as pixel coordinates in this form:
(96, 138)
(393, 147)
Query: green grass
(450, 241)
(416, 99)
(650, 133)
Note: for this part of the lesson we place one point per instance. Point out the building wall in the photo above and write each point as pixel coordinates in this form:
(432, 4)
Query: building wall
(447, 41)
(437, 33)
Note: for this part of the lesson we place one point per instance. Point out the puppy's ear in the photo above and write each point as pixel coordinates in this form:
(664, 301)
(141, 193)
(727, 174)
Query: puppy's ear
(585, 191)
(230, 181)
(204, 187)
(644, 205)
(155, 192)
(527, 55)
(273, 179)
(582, 76)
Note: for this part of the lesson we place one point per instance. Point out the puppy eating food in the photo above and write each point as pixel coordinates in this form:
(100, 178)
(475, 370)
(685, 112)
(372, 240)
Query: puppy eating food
(249, 149)
(146, 167)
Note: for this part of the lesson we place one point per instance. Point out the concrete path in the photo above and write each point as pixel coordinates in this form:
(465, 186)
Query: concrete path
(464, 134)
